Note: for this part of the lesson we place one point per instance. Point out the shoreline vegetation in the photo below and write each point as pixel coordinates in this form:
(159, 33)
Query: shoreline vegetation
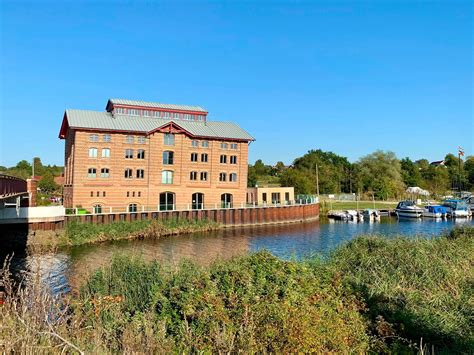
(76, 233)
(372, 294)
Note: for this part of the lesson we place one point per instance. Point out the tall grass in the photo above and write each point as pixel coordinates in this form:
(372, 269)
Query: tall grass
(84, 233)
(371, 295)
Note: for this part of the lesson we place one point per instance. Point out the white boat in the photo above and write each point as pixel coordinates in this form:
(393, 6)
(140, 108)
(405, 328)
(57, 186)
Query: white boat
(456, 208)
(371, 214)
(435, 211)
(354, 215)
(408, 209)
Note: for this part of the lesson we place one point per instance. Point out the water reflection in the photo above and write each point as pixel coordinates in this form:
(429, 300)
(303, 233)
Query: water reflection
(68, 269)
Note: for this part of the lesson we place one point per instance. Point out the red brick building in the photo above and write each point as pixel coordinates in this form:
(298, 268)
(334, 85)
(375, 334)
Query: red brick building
(149, 156)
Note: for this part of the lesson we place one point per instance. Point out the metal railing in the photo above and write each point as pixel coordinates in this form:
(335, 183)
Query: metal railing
(11, 186)
(93, 210)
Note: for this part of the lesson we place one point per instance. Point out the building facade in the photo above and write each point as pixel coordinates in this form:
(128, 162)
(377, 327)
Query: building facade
(270, 195)
(148, 156)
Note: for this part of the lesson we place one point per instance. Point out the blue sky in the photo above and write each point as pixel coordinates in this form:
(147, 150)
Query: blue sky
(349, 77)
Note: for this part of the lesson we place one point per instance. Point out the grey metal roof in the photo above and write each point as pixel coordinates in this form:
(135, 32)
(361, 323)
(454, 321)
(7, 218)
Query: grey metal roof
(156, 105)
(107, 121)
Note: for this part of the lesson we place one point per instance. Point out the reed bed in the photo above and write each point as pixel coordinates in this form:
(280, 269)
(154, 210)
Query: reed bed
(371, 295)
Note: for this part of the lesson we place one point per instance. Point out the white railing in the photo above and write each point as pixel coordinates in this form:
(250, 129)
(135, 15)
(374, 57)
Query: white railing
(184, 207)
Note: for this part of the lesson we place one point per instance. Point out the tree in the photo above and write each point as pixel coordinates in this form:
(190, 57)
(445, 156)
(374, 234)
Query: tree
(380, 172)
(469, 170)
(410, 172)
(47, 184)
(300, 181)
(39, 169)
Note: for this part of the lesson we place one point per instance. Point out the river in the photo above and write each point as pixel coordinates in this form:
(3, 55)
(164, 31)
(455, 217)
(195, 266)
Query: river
(67, 269)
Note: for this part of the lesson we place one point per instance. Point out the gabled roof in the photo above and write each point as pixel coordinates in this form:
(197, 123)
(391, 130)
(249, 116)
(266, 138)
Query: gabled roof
(155, 105)
(105, 121)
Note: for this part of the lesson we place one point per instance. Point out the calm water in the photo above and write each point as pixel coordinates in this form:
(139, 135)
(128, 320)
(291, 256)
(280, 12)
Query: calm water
(66, 270)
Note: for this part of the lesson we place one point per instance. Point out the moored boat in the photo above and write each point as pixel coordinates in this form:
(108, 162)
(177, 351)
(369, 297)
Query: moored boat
(456, 208)
(408, 209)
(371, 214)
(435, 211)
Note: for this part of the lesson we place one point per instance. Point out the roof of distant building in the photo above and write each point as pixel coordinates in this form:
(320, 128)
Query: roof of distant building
(437, 162)
(106, 121)
(155, 105)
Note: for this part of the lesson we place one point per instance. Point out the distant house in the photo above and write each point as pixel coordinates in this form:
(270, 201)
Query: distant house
(437, 163)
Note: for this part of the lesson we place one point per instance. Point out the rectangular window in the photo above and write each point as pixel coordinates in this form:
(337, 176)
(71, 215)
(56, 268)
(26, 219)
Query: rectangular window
(203, 175)
(167, 177)
(128, 193)
(169, 139)
(204, 157)
(141, 139)
(146, 113)
(98, 193)
(128, 174)
(133, 112)
(287, 196)
(92, 172)
(175, 115)
(233, 177)
(104, 173)
(233, 159)
(193, 175)
(106, 137)
(119, 110)
(200, 117)
(103, 193)
(156, 113)
(195, 143)
(94, 137)
(168, 158)
(194, 157)
(222, 176)
(140, 174)
(166, 114)
(205, 144)
(224, 145)
(133, 193)
(92, 152)
(129, 139)
(141, 154)
(234, 146)
(92, 193)
(106, 153)
(264, 197)
(128, 153)
(139, 194)
(223, 159)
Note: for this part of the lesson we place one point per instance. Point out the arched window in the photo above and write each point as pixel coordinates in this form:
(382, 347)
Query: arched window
(97, 209)
(167, 201)
(132, 207)
(226, 200)
(197, 201)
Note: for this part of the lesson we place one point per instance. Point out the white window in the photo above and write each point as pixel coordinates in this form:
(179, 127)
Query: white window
(129, 139)
(128, 153)
(146, 113)
(106, 137)
(167, 177)
(166, 114)
(200, 117)
(169, 139)
(175, 115)
(119, 110)
(94, 137)
(104, 173)
(141, 139)
(156, 113)
(92, 172)
(132, 207)
(134, 112)
(106, 153)
(234, 146)
(195, 143)
(224, 145)
(205, 144)
(92, 152)
(233, 177)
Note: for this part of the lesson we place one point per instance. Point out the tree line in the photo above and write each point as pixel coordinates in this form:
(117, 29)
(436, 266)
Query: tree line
(24, 170)
(379, 174)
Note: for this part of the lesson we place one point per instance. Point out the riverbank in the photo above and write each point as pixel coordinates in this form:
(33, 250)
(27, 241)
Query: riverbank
(371, 294)
(327, 205)
(76, 233)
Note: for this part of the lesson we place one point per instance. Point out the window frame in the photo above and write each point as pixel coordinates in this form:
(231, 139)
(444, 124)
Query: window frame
(104, 171)
(165, 177)
(92, 173)
(93, 149)
(129, 172)
(105, 150)
(168, 139)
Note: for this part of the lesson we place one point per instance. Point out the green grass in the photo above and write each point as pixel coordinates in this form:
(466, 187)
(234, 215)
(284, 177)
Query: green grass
(373, 294)
(85, 233)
